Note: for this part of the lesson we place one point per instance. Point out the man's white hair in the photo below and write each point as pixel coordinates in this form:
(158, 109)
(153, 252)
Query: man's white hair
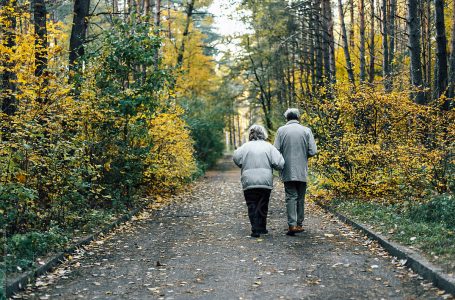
(294, 111)
(257, 132)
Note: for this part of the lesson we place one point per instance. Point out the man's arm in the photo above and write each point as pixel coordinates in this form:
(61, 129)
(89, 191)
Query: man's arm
(277, 142)
(312, 148)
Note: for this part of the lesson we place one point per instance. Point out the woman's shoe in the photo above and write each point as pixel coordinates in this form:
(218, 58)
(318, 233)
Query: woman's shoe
(255, 234)
(263, 231)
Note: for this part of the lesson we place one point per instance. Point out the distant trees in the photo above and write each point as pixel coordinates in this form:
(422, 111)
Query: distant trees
(352, 82)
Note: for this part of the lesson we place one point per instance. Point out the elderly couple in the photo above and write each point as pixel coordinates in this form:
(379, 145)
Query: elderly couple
(294, 144)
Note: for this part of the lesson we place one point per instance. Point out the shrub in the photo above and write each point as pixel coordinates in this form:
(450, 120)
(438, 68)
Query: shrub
(374, 145)
(439, 209)
(170, 161)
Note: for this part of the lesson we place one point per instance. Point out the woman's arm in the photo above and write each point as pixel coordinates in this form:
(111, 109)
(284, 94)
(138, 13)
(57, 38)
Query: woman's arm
(238, 157)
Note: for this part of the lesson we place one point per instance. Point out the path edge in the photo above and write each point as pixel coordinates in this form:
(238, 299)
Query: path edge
(21, 281)
(414, 261)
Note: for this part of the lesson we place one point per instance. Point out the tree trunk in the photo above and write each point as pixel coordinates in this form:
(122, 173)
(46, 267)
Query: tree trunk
(414, 50)
(189, 13)
(39, 19)
(345, 44)
(371, 48)
(391, 23)
(362, 40)
(351, 25)
(39, 16)
(326, 41)
(385, 47)
(157, 14)
(331, 38)
(78, 33)
(451, 81)
(8, 85)
(440, 78)
(317, 41)
(115, 6)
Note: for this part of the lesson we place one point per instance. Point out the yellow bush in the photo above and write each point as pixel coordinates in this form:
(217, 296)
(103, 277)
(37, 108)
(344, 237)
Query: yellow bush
(375, 145)
(170, 161)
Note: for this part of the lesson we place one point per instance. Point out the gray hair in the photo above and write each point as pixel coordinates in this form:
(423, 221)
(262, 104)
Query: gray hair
(292, 114)
(257, 132)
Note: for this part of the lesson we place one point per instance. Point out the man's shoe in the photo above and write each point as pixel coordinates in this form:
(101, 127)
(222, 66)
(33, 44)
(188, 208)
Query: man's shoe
(290, 233)
(300, 228)
(263, 231)
(292, 230)
(255, 234)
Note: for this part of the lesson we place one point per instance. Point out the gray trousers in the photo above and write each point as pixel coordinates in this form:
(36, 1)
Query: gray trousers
(295, 201)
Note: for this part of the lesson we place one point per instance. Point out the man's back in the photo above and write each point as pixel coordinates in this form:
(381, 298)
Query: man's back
(296, 143)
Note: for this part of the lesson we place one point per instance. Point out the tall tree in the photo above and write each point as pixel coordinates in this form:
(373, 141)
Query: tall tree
(345, 44)
(413, 21)
(440, 78)
(40, 24)
(385, 46)
(451, 81)
(157, 14)
(189, 14)
(326, 40)
(392, 31)
(371, 43)
(318, 41)
(78, 32)
(351, 25)
(39, 18)
(362, 74)
(9, 105)
(331, 39)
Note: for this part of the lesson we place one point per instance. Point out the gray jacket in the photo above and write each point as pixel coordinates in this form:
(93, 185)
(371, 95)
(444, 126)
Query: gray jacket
(296, 143)
(257, 158)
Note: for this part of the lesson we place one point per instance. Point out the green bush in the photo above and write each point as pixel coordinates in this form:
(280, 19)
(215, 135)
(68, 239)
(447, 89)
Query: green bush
(206, 125)
(440, 209)
(22, 249)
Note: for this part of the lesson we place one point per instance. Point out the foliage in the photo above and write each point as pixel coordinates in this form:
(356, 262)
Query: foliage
(25, 248)
(72, 154)
(376, 145)
(207, 124)
(170, 160)
(197, 87)
(122, 85)
(439, 209)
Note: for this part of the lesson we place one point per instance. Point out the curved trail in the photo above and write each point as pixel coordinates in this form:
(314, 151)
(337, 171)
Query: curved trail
(199, 248)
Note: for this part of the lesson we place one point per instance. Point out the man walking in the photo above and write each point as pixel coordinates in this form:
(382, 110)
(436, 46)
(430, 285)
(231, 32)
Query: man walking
(296, 144)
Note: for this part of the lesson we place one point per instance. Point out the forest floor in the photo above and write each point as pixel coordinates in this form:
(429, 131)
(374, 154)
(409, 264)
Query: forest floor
(199, 246)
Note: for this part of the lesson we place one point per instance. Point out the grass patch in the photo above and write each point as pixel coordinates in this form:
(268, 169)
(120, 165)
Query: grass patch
(428, 226)
(23, 249)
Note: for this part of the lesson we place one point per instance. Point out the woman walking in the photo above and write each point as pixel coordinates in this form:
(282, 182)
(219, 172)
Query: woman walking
(257, 158)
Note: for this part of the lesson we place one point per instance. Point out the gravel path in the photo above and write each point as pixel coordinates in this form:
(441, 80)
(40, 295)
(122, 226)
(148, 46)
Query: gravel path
(199, 247)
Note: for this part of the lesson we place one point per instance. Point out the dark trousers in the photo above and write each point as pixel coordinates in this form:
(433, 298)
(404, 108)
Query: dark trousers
(257, 201)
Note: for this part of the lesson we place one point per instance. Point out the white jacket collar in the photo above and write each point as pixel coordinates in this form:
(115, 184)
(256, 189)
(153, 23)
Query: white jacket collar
(292, 122)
